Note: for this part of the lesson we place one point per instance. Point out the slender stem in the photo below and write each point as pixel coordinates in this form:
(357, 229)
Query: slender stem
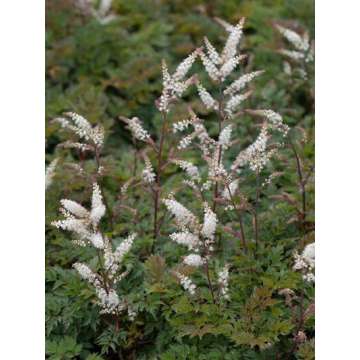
(158, 179)
(109, 210)
(102, 269)
(301, 182)
(238, 212)
(256, 223)
(220, 121)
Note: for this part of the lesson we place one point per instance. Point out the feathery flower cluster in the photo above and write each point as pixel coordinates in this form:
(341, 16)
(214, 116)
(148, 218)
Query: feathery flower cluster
(191, 241)
(101, 12)
(186, 283)
(148, 173)
(303, 51)
(194, 260)
(306, 262)
(241, 82)
(50, 173)
(275, 120)
(183, 217)
(185, 142)
(81, 127)
(175, 85)
(113, 259)
(136, 128)
(210, 222)
(84, 223)
(181, 125)
(81, 221)
(220, 66)
(235, 101)
(256, 154)
(300, 43)
(191, 170)
(206, 98)
(225, 137)
(223, 281)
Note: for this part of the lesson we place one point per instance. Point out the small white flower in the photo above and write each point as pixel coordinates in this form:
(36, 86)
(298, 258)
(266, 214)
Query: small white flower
(225, 137)
(235, 101)
(124, 247)
(97, 240)
(50, 173)
(191, 170)
(300, 43)
(209, 225)
(194, 260)
(212, 53)
(135, 126)
(232, 42)
(210, 67)
(74, 208)
(223, 281)
(206, 98)
(186, 283)
(97, 207)
(241, 82)
(186, 238)
(85, 272)
(148, 173)
(183, 216)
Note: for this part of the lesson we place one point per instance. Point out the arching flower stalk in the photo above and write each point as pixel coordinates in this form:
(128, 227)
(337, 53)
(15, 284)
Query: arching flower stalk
(300, 55)
(85, 226)
(174, 86)
(50, 173)
(221, 67)
(197, 236)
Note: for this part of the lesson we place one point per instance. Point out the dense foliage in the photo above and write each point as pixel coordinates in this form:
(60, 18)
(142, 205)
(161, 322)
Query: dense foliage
(108, 71)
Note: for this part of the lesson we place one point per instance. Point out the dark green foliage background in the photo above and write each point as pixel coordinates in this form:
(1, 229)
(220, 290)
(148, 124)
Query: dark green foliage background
(103, 71)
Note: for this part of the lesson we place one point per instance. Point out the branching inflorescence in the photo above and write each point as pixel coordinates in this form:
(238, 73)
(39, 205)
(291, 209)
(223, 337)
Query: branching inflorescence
(84, 224)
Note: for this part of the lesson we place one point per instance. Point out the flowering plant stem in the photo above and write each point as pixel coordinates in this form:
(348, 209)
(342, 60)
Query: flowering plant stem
(108, 208)
(158, 179)
(301, 183)
(238, 212)
(256, 220)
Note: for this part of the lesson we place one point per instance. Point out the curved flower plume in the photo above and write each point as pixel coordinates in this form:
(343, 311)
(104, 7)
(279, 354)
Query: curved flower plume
(174, 85)
(223, 281)
(197, 237)
(302, 50)
(219, 66)
(134, 125)
(275, 120)
(305, 262)
(257, 154)
(84, 224)
(184, 218)
(93, 136)
(50, 173)
(100, 10)
(148, 173)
